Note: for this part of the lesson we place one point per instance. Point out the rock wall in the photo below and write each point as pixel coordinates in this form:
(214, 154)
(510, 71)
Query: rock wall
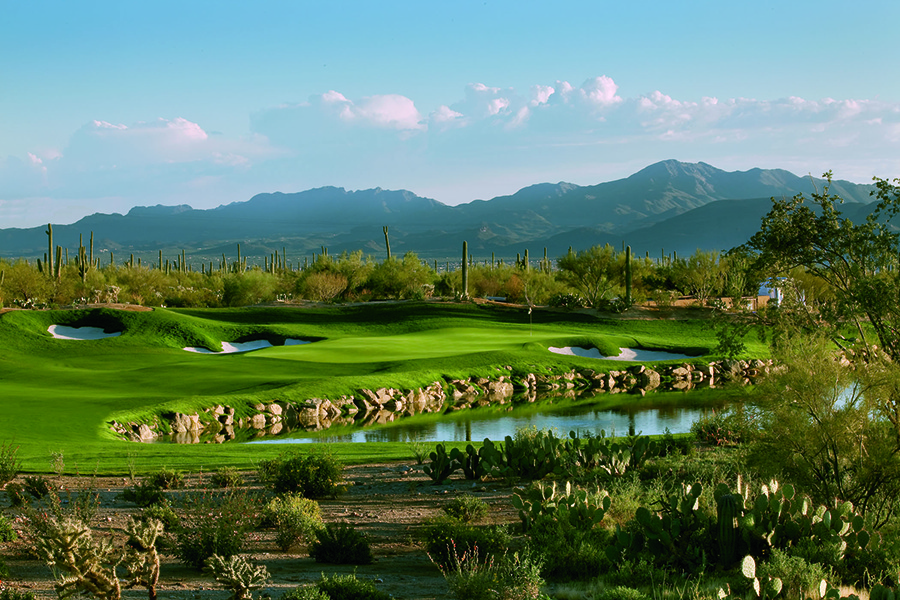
(384, 405)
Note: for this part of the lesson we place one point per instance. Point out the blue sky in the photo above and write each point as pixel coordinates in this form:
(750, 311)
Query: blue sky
(108, 105)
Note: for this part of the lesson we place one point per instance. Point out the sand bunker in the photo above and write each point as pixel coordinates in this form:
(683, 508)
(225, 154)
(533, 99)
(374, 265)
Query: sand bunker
(625, 354)
(61, 332)
(231, 348)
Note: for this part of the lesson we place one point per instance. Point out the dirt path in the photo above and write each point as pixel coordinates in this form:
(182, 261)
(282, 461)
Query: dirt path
(389, 502)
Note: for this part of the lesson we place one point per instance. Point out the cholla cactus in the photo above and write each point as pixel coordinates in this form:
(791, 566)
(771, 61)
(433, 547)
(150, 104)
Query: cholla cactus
(238, 575)
(84, 564)
(141, 557)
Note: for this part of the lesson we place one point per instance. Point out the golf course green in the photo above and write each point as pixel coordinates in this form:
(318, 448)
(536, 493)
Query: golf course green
(57, 396)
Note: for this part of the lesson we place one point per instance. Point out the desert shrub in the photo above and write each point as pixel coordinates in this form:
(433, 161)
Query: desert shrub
(37, 486)
(447, 539)
(14, 594)
(324, 286)
(349, 587)
(312, 475)
(16, 494)
(238, 575)
(509, 578)
(296, 518)
(144, 494)
(215, 523)
(622, 592)
(466, 508)
(720, 428)
(797, 576)
(305, 592)
(7, 533)
(636, 572)
(569, 553)
(567, 301)
(165, 479)
(163, 513)
(9, 462)
(226, 477)
(341, 544)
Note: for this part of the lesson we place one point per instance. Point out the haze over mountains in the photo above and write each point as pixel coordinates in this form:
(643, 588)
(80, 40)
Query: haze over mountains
(669, 205)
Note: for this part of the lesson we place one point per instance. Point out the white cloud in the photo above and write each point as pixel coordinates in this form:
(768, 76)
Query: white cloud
(540, 94)
(601, 91)
(552, 131)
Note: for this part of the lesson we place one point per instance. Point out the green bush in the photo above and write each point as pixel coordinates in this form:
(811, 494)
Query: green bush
(447, 539)
(509, 578)
(305, 592)
(9, 462)
(226, 477)
(569, 553)
(296, 518)
(7, 533)
(466, 508)
(622, 592)
(16, 494)
(798, 577)
(312, 475)
(165, 479)
(341, 544)
(349, 587)
(37, 486)
(14, 594)
(163, 513)
(215, 523)
(720, 428)
(144, 494)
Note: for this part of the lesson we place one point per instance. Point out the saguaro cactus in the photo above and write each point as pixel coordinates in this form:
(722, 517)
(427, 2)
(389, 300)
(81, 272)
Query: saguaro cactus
(628, 275)
(465, 270)
(50, 250)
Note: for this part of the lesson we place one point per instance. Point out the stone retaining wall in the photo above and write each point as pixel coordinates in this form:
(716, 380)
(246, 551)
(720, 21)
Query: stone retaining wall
(384, 405)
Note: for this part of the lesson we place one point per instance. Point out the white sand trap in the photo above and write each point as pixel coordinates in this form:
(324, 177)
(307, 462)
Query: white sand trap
(625, 354)
(61, 332)
(231, 348)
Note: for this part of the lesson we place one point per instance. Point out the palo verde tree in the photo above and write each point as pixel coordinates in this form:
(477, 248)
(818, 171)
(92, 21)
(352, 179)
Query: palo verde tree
(858, 262)
(593, 272)
(833, 422)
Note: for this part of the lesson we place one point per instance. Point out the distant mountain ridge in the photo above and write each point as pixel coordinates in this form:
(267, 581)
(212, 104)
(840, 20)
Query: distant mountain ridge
(670, 204)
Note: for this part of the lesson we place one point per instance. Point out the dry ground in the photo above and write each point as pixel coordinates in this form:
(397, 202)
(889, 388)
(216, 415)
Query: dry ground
(389, 502)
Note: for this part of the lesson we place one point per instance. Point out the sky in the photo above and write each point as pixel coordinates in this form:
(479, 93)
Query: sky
(109, 105)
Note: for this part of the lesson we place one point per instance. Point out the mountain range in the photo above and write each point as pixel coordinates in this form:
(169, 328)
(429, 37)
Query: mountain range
(667, 206)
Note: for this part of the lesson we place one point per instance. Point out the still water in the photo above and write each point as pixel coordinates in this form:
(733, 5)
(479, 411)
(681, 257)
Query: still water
(495, 423)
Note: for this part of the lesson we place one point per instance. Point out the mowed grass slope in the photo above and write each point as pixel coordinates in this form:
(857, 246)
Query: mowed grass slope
(59, 395)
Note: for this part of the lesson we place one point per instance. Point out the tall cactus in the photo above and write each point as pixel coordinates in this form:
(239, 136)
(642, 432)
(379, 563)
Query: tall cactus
(628, 275)
(729, 510)
(387, 242)
(465, 270)
(49, 233)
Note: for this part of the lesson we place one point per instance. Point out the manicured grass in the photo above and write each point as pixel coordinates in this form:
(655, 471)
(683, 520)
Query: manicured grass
(59, 395)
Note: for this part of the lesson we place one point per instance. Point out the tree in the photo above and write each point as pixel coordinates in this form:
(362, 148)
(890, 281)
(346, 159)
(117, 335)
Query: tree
(831, 421)
(701, 274)
(858, 262)
(593, 272)
(826, 427)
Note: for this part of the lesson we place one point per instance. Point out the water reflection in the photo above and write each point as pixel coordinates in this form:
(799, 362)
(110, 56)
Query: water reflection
(489, 423)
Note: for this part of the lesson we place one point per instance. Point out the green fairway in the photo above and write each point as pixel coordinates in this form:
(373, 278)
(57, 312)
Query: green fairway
(59, 395)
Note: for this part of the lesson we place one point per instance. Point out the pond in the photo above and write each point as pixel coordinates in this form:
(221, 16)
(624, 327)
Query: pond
(673, 411)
